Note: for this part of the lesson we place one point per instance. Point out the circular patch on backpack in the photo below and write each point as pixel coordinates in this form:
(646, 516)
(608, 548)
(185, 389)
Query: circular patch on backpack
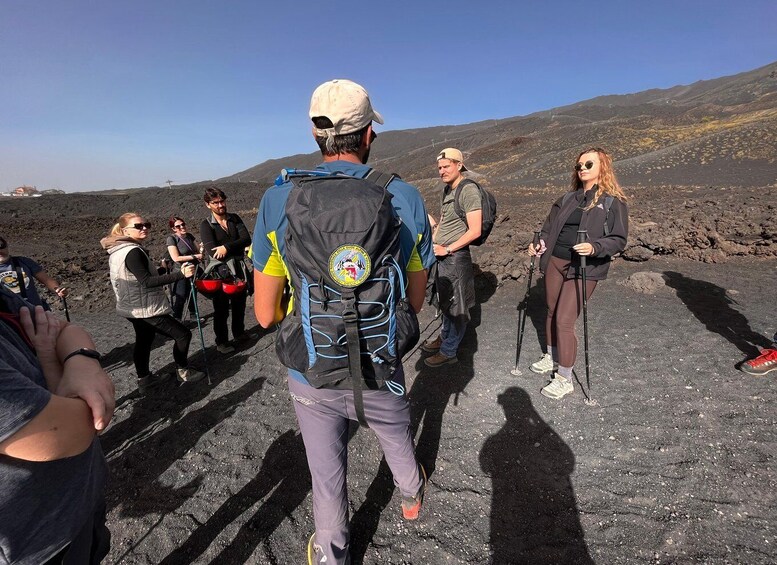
(350, 265)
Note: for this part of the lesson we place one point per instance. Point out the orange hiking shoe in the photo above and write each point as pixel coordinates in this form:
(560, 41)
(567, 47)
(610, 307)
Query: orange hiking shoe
(411, 505)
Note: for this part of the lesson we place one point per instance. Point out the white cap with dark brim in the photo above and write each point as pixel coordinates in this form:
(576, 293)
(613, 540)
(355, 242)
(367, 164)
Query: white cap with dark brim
(346, 104)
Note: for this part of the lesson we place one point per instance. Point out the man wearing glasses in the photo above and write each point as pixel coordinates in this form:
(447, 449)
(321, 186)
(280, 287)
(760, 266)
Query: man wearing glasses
(225, 237)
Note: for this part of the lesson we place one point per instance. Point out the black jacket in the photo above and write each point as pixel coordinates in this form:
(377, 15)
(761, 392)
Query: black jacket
(236, 238)
(593, 221)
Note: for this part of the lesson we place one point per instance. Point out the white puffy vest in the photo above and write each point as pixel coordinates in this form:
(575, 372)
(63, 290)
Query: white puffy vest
(132, 299)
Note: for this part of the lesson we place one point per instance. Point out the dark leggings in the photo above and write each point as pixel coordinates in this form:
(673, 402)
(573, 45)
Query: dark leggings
(147, 328)
(565, 302)
(180, 295)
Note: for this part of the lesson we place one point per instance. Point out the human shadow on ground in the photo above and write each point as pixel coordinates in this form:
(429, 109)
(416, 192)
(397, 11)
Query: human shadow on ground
(170, 399)
(534, 516)
(713, 308)
(284, 471)
(429, 396)
(137, 463)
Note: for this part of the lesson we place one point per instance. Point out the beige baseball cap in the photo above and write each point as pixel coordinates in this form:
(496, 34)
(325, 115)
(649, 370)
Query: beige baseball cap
(346, 104)
(453, 155)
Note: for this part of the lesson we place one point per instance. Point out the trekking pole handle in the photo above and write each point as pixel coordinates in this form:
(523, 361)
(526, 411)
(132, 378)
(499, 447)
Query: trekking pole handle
(536, 240)
(582, 236)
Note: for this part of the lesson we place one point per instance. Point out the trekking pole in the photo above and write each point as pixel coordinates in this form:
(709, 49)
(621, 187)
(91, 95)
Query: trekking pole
(185, 311)
(582, 235)
(523, 308)
(199, 327)
(64, 305)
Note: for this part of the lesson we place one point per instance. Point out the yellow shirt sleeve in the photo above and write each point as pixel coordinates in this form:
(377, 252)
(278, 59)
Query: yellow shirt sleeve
(275, 267)
(415, 264)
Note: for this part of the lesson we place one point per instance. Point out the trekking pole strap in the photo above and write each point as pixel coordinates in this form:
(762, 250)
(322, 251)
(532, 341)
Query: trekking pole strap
(351, 322)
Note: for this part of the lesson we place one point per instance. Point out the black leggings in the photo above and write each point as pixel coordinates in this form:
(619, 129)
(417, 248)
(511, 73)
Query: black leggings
(565, 302)
(180, 295)
(147, 328)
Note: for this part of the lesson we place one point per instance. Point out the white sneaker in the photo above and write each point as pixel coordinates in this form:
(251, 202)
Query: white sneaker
(224, 348)
(558, 388)
(189, 375)
(544, 365)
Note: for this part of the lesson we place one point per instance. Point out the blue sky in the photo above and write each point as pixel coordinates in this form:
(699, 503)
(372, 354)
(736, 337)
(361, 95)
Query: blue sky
(110, 94)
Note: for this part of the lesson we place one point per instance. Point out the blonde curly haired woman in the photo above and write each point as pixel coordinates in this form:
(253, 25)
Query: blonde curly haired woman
(596, 203)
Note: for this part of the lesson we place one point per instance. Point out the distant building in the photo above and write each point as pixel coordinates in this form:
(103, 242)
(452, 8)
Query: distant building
(25, 191)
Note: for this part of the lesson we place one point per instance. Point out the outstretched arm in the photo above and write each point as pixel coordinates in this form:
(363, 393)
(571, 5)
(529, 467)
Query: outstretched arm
(50, 283)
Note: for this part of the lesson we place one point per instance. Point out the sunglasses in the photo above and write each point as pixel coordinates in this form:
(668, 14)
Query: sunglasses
(588, 165)
(139, 227)
(179, 226)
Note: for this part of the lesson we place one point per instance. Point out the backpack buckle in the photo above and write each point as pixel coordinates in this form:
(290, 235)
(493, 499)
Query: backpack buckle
(350, 315)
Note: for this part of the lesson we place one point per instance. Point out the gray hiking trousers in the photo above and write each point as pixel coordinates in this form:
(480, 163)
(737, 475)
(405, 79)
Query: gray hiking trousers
(323, 416)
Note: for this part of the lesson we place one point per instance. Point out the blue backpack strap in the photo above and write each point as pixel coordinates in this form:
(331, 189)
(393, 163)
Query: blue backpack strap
(287, 174)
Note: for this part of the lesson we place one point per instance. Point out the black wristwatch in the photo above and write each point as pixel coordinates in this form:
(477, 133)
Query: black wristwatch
(91, 353)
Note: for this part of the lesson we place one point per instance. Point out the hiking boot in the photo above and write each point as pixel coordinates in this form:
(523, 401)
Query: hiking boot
(765, 363)
(315, 552)
(558, 388)
(189, 375)
(544, 365)
(225, 348)
(151, 381)
(438, 360)
(411, 505)
(432, 345)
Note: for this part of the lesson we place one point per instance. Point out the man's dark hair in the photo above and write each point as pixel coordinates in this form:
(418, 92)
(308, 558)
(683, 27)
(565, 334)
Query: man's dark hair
(347, 143)
(212, 192)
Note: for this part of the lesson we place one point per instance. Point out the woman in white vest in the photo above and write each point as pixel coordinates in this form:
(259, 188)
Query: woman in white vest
(141, 299)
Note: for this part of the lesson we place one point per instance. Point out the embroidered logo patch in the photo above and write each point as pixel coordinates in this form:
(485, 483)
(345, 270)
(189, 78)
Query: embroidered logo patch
(350, 265)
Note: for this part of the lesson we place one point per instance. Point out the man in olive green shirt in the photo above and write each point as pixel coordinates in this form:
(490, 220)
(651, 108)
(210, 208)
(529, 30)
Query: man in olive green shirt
(455, 277)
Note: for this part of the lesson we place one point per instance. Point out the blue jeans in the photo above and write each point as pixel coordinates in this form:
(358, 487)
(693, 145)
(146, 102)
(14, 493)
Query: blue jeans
(452, 333)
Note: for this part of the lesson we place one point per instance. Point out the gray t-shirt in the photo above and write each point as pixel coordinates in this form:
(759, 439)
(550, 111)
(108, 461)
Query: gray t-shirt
(43, 505)
(451, 227)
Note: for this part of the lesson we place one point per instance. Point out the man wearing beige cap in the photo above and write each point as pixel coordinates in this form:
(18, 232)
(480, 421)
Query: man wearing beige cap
(343, 118)
(455, 281)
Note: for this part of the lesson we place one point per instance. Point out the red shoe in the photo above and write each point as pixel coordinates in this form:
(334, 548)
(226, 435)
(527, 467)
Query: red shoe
(411, 505)
(765, 363)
